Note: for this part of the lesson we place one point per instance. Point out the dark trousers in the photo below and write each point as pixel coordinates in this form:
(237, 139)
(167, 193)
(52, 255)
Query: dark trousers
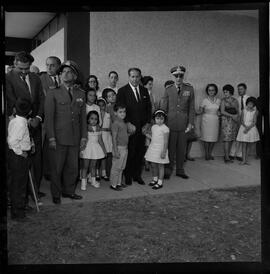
(177, 151)
(135, 155)
(36, 158)
(64, 169)
(19, 168)
(46, 157)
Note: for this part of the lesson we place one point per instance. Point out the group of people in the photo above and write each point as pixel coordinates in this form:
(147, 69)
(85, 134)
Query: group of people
(69, 132)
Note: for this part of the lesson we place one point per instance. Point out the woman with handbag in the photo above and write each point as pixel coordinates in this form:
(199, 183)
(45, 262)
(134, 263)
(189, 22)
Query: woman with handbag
(229, 120)
(209, 109)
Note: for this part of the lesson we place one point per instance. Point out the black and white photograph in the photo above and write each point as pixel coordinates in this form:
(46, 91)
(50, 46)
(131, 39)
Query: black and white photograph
(135, 136)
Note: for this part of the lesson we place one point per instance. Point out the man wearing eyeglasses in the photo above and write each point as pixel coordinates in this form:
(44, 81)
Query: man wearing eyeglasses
(178, 102)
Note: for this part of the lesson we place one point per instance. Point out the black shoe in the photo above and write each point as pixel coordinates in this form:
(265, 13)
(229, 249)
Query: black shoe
(41, 194)
(56, 200)
(157, 186)
(128, 181)
(116, 188)
(211, 158)
(239, 159)
(28, 208)
(190, 159)
(167, 176)
(72, 196)
(139, 180)
(97, 178)
(182, 175)
(123, 185)
(105, 178)
(231, 157)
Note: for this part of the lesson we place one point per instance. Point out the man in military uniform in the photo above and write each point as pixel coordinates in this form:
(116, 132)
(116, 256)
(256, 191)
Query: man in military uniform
(178, 102)
(66, 129)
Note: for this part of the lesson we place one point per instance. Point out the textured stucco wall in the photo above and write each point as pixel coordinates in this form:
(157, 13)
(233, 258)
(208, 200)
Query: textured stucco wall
(214, 47)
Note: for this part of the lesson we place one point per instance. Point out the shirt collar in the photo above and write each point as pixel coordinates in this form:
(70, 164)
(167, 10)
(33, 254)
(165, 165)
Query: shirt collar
(133, 88)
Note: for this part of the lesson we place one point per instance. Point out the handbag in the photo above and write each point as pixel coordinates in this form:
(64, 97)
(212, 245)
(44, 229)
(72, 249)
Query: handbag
(191, 136)
(231, 110)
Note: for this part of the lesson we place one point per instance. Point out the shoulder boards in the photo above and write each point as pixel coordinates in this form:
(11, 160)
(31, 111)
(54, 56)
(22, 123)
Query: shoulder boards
(169, 86)
(188, 84)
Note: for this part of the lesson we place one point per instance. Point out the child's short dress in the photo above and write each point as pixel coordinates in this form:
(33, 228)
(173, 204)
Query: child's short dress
(106, 133)
(155, 148)
(93, 149)
(252, 135)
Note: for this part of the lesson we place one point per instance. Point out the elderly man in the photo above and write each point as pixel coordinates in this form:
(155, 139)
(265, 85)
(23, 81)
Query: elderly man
(21, 83)
(138, 112)
(50, 80)
(66, 130)
(178, 102)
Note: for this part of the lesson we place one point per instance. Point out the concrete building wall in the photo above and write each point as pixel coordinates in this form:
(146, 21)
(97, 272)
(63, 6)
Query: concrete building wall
(216, 47)
(54, 46)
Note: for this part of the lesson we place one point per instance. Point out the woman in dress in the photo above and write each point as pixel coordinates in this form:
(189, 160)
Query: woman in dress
(229, 120)
(209, 109)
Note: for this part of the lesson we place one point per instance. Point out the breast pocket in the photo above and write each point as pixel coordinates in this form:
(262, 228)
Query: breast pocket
(63, 106)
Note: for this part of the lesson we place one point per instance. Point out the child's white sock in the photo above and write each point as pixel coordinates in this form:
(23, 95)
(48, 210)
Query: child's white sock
(155, 178)
(103, 172)
(83, 184)
(159, 182)
(94, 183)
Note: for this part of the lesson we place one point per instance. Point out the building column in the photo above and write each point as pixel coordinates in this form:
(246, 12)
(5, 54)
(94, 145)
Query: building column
(77, 48)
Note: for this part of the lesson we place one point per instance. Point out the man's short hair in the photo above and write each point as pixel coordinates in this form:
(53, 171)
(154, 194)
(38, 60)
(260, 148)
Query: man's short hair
(242, 85)
(135, 69)
(24, 57)
(58, 61)
(113, 72)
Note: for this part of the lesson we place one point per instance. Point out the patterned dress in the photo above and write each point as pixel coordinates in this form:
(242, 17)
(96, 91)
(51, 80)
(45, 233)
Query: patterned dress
(229, 127)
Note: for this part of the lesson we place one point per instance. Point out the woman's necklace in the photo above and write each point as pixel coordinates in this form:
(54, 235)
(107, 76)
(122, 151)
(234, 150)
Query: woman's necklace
(212, 99)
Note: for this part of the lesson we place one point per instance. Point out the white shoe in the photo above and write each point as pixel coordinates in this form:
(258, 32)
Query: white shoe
(83, 184)
(95, 184)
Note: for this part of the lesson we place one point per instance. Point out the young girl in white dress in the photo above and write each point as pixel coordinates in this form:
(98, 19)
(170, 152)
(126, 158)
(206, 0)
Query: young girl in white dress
(248, 132)
(157, 152)
(94, 150)
(106, 163)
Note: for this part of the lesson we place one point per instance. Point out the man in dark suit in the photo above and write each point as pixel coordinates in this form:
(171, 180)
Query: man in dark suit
(66, 129)
(50, 80)
(21, 83)
(178, 102)
(138, 112)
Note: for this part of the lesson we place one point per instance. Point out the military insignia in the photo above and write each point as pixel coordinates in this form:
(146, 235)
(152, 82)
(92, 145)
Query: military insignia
(186, 93)
(79, 101)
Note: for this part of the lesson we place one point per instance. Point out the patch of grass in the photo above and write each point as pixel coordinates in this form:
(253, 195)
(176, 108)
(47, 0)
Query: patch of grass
(203, 226)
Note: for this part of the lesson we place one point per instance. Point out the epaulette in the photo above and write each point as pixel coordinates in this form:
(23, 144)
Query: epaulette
(188, 84)
(169, 86)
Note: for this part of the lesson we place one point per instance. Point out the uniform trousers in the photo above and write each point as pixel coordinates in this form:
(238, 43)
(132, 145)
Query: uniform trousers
(177, 151)
(118, 165)
(19, 170)
(136, 150)
(63, 169)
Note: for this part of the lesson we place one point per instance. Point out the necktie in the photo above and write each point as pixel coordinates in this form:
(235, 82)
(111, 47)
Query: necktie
(25, 83)
(55, 81)
(70, 94)
(242, 102)
(178, 90)
(137, 94)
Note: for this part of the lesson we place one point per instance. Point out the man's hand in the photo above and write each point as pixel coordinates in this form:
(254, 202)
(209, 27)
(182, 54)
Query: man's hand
(83, 144)
(24, 154)
(189, 127)
(52, 144)
(131, 128)
(163, 154)
(34, 122)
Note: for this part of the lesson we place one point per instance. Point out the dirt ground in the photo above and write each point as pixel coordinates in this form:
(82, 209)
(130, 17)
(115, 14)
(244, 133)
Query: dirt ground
(203, 226)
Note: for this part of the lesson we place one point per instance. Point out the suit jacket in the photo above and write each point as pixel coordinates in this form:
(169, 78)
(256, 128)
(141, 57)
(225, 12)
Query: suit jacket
(47, 82)
(65, 120)
(15, 88)
(138, 113)
(180, 108)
